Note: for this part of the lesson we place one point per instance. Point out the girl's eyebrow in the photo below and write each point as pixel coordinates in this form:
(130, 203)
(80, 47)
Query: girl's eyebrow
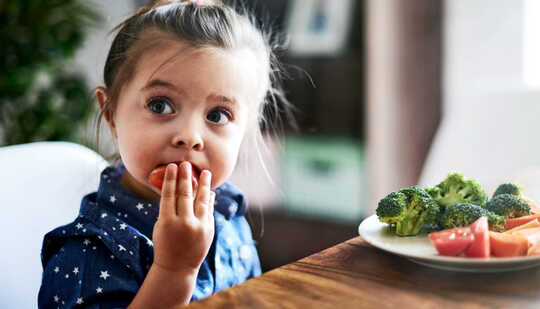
(222, 99)
(212, 97)
(160, 83)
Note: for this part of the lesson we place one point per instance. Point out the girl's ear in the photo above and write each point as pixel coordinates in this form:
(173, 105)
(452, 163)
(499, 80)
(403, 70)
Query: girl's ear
(102, 99)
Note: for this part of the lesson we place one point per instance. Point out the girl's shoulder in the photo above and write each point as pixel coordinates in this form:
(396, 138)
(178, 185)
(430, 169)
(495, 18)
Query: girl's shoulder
(95, 230)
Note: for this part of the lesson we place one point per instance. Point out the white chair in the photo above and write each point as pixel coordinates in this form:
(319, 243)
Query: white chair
(41, 188)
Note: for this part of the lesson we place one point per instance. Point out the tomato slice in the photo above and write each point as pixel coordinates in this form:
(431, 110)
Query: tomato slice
(480, 245)
(452, 242)
(158, 174)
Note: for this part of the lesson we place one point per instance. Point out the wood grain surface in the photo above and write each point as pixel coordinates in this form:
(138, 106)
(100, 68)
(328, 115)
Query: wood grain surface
(354, 274)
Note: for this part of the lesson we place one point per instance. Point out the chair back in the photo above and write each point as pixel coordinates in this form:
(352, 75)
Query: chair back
(41, 188)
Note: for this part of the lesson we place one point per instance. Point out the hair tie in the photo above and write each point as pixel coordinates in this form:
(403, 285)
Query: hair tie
(199, 2)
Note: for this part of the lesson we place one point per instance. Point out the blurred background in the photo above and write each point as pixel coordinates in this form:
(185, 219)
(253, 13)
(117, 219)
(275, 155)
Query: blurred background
(388, 94)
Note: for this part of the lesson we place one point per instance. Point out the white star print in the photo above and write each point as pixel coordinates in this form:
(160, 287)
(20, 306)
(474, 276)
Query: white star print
(86, 242)
(56, 298)
(99, 290)
(123, 226)
(103, 215)
(140, 206)
(104, 275)
(79, 300)
(232, 208)
(56, 269)
(67, 276)
(79, 226)
(121, 248)
(113, 199)
(245, 252)
(76, 270)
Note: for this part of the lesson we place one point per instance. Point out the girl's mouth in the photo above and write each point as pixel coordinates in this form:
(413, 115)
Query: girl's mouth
(158, 174)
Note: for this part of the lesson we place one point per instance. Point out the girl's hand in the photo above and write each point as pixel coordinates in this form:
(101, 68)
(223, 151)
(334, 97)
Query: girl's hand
(184, 230)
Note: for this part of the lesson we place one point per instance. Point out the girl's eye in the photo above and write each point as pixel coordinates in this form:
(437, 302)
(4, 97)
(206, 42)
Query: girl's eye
(219, 116)
(160, 106)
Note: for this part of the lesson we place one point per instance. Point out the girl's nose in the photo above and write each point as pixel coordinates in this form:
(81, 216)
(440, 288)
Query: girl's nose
(190, 140)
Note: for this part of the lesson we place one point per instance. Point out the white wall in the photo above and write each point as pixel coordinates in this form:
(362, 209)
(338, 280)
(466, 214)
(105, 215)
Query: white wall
(489, 128)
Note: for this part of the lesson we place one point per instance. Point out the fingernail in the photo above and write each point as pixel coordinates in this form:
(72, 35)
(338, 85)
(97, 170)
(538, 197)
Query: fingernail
(186, 167)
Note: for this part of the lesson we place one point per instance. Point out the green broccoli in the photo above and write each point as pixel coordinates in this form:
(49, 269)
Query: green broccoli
(458, 189)
(463, 214)
(408, 210)
(509, 188)
(508, 206)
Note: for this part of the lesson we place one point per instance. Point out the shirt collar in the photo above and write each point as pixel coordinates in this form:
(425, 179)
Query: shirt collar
(124, 203)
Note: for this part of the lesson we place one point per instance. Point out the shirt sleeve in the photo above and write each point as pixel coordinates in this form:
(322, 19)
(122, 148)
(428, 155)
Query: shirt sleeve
(84, 273)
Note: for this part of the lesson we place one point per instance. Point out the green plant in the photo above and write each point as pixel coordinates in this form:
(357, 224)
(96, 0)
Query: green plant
(41, 97)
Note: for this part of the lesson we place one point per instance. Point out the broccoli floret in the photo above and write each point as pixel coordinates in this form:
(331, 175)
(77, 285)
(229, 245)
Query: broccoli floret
(464, 214)
(509, 188)
(408, 210)
(458, 189)
(508, 206)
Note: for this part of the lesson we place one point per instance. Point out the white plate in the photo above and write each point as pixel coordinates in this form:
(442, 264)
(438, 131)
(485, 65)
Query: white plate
(419, 250)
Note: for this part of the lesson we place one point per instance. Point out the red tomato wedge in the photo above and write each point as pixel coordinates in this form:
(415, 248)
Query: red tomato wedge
(508, 245)
(480, 245)
(452, 242)
(158, 174)
(513, 222)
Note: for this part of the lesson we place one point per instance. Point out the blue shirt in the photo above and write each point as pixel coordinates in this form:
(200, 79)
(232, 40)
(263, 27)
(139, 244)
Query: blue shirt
(100, 260)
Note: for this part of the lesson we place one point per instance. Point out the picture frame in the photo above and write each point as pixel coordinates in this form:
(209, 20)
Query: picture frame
(319, 27)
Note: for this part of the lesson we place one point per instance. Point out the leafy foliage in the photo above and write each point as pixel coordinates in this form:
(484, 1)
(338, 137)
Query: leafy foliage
(41, 98)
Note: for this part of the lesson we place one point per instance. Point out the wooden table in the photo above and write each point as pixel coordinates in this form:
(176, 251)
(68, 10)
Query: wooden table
(354, 274)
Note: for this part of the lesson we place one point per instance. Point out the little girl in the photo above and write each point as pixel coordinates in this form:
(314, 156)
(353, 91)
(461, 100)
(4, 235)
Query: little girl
(185, 87)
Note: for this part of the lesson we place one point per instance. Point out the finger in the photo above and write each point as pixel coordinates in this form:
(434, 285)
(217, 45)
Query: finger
(203, 194)
(168, 192)
(184, 202)
(211, 205)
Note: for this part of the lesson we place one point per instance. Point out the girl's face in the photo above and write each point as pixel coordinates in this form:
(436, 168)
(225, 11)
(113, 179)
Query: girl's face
(180, 105)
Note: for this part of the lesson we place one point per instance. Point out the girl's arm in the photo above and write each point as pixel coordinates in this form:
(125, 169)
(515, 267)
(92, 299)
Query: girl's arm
(182, 237)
